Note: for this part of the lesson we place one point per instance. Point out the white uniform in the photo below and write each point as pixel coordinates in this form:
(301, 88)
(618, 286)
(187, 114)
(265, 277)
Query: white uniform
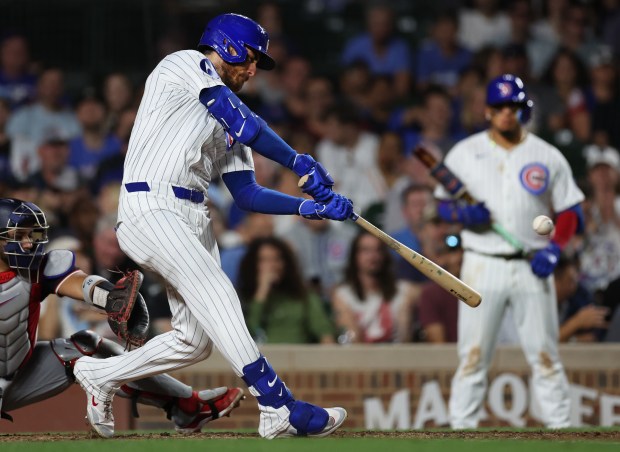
(531, 179)
(176, 146)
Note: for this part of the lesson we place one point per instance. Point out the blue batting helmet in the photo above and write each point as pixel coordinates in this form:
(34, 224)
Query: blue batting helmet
(234, 31)
(509, 89)
(17, 216)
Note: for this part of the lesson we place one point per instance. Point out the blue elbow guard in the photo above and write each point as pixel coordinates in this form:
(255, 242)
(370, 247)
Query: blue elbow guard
(236, 118)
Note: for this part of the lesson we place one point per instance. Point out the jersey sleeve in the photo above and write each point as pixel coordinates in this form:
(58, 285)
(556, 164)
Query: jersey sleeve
(190, 70)
(237, 158)
(565, 192)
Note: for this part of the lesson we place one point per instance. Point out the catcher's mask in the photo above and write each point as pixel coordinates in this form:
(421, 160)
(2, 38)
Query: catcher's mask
(21, 223)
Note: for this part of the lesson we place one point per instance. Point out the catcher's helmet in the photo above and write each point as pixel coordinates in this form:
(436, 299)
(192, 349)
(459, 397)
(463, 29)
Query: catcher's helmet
(16, 218)
(235, 31)
(509, 89)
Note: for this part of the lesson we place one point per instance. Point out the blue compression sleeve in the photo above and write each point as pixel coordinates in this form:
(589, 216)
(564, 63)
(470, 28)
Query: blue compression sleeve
(248, 195)
(270, 145)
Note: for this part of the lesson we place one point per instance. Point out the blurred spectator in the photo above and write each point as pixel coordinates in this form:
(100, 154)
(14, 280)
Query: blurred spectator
(576, 33)
(353, 83)
(604, 95)
(95, 144)
(441, 59)
(57, 183)
(30, 125)
(235, 243)
(118, 97)
(109, 260)
(372, 306)
(391, 164)
(473, 111)
(83, 217)
(381, 49)
(5, 145)
(539, 51)
(438, 308)
(549, 27)
(380, 103)
(610, 18)
(580, 319)
(279, 308)
(294, 76)
(351, 153)
(319, 98)
(322, 249)
(483, 25)
(600, 256)
(416, 201)
(567, 77)
(428, 124)
(17, 82)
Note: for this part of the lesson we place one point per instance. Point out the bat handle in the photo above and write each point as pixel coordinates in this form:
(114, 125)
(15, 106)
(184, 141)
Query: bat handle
(302, 180)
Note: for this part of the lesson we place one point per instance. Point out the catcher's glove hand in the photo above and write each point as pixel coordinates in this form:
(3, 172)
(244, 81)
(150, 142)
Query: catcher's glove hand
(127, 313)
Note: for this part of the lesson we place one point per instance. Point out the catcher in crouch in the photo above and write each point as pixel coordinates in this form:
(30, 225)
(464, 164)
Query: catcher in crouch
(32, 371)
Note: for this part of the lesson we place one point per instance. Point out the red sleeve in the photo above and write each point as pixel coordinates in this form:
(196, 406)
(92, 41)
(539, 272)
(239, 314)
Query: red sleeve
(565, 227)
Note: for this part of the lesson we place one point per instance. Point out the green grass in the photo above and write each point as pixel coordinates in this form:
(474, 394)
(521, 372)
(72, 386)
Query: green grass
(482, 440)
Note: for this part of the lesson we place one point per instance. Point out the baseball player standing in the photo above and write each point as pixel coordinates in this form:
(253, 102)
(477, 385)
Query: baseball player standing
(516, 176)
(190, 127)
(32, 371)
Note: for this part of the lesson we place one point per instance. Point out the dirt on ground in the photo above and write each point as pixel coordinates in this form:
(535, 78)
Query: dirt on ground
(466, 435)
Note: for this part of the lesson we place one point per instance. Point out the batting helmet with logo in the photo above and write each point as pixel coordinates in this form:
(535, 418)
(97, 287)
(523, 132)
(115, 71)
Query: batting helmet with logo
(228, 34)
(509, 89)
(16, 219)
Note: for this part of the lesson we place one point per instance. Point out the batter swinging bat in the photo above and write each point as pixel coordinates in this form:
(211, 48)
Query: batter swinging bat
(456, 188)
(426, 266)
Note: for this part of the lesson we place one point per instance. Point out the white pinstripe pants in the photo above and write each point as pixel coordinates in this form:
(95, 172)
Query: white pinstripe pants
(175, 239)
(533, 302)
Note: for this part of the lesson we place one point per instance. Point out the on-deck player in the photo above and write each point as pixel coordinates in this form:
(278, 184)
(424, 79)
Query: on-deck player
(32, 371)
(516, 176)
(190, 127)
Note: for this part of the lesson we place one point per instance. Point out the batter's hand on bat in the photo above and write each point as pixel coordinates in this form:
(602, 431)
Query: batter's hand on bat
(338, 208)
(470, 215)
(315, 179)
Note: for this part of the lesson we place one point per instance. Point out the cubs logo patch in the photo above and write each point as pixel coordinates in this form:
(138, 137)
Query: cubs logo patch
(505, 89)
(229, 141)
(535, 178)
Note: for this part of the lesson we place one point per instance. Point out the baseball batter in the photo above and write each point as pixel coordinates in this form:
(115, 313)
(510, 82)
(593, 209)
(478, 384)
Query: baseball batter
(516, 176)
(32, 371)
(190, 127)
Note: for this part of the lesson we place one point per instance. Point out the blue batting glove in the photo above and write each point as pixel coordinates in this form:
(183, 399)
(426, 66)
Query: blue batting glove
(319, 184)
(337, 208)
(474, 215)
(544, 261)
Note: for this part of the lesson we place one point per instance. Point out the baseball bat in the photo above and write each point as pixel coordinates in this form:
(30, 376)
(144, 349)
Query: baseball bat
(430, 269)
(453, 184)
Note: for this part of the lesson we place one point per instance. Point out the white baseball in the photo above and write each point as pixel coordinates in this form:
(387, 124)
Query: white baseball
(543, 225)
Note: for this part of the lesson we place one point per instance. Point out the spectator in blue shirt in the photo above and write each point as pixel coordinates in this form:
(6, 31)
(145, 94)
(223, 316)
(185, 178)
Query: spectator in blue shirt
(441, 59)
(381, 49)
(17, 83)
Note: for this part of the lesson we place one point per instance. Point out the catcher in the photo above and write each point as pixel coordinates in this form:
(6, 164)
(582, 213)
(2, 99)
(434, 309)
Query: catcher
(32, 371)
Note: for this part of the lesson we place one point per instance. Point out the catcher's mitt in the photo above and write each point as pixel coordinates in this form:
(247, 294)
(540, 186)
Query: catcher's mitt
(127, 313)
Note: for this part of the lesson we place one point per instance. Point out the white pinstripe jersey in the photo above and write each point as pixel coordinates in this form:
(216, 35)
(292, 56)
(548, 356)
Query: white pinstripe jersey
(174, 139)
(516, 185)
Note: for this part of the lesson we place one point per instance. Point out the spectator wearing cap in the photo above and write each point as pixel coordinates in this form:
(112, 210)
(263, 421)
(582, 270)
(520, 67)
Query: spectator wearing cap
(600, 253)
(29, 126)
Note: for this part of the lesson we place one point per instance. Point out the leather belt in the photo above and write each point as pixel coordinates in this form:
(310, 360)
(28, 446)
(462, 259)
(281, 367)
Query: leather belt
(180, 192)
(507, 257)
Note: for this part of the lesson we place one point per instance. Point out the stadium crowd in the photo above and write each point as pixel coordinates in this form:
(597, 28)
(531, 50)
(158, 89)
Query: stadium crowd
(316, 281)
